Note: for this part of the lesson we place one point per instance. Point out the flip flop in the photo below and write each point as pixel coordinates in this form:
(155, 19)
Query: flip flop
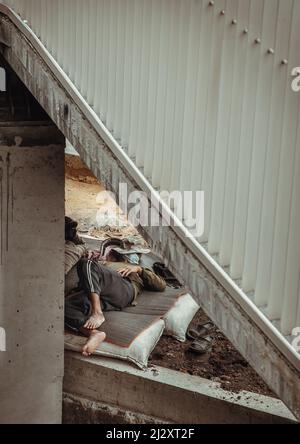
(200, 331)
(201, 345)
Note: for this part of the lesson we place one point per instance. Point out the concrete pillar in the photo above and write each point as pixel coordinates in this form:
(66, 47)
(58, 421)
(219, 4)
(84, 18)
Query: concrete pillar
(31, 273)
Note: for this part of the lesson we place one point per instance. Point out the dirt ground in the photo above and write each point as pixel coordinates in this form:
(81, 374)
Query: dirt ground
(87, 201)
(223, 364)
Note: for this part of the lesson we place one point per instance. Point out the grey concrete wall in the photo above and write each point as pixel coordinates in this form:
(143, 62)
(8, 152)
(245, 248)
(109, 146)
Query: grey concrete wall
(32, 280)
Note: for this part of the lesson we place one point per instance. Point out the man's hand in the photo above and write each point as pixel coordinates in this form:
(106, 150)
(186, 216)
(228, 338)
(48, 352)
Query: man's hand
(128, 269)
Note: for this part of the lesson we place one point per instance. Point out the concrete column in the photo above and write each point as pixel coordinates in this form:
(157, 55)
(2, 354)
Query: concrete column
(31, 273)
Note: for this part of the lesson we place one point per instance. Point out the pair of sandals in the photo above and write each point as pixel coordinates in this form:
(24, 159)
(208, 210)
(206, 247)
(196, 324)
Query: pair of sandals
(202, 341)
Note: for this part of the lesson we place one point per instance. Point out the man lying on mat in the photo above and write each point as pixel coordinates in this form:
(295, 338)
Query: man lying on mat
(109, 280)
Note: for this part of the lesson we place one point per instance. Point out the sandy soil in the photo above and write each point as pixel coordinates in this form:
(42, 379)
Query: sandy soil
(223, 364)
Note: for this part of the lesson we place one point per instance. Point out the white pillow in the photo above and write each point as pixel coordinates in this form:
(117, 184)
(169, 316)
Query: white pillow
(137, 353)
(180, 316)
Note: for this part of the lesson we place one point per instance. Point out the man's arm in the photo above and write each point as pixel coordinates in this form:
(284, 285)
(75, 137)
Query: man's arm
(151, 281)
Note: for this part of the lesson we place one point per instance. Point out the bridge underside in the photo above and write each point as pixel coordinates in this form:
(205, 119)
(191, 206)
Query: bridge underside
(74, 120)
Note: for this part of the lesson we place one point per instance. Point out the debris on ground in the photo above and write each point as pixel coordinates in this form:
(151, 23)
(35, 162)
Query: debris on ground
(87, 202)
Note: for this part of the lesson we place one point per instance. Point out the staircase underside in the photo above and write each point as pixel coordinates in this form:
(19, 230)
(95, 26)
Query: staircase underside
(242, 323)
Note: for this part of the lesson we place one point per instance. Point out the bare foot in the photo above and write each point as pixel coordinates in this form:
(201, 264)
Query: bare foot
(95, 339)
(95, 321)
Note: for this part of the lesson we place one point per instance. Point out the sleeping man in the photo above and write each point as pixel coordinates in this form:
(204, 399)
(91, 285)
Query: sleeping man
(106, 285)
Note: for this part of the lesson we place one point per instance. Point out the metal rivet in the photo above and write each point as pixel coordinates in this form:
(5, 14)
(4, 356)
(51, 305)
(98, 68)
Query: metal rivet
(271, 51)
(246, 30)
(257, 41)
(234, 22)
(211, 3)
(222, 12)
(284, 62)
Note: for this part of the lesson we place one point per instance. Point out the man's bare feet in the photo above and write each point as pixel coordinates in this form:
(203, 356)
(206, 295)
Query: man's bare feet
(95, 339)
(95, 321)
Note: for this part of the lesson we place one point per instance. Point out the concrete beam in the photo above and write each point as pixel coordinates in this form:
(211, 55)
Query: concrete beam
(30, 134)
(100, 390)
(31, 277)
(237, 318)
